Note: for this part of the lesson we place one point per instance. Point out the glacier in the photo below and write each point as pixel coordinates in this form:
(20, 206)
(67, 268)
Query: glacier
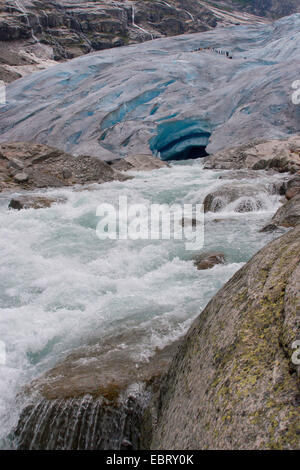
(164, 96)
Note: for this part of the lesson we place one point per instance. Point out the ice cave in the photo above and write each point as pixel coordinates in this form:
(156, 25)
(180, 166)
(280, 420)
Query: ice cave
(181, 140)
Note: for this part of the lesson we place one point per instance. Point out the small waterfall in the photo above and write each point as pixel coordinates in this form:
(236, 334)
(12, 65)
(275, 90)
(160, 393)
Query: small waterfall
(170, 6)
(135, 25)
(82, 424)
(21, 7)
(190, 15)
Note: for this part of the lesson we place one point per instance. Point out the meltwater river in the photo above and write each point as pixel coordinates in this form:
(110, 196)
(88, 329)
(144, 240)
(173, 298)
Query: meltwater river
(61, 287)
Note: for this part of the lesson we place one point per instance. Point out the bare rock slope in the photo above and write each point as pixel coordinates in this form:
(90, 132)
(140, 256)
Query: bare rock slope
(232, 384)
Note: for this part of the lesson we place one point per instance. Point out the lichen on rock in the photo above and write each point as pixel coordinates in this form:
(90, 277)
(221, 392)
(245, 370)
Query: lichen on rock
(232, 384)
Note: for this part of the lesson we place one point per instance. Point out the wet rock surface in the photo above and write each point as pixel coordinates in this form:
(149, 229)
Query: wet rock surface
(33, 202)
(28, 166)
(288, 215)
(232, 384)
(292, 187)
(94, 399)
(208, 260)
(249, 198)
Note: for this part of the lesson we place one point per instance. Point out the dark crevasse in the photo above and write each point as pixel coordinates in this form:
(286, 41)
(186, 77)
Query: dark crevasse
(181, 140)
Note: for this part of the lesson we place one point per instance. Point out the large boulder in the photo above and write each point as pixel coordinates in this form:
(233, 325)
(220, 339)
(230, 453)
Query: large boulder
(233, 383)
(288, 215)
(292, 187)
(248, 198)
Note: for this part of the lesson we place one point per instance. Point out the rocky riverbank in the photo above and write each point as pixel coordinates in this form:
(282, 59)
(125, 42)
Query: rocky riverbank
(29, 166)
(232, 371)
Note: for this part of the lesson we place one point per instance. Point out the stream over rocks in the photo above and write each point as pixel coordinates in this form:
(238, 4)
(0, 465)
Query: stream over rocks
(86, 320)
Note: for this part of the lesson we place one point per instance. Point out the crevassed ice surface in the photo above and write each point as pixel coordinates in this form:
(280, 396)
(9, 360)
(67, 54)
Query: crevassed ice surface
(162, 93)
(61, 287)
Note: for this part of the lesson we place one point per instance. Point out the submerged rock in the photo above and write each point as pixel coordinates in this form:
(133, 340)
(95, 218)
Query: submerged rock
(208, 260)
(232, 383)
(33, 202)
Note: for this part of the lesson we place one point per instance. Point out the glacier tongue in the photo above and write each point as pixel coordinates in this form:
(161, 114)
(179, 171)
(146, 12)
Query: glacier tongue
(164, 95)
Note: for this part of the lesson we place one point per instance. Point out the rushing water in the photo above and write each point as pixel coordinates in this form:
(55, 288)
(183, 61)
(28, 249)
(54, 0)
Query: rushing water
(61, 287)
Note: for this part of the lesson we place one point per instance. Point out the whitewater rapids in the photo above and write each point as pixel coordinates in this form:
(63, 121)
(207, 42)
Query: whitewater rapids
(61, 287)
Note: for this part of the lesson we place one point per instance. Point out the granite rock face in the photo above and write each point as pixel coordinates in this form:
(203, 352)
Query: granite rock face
(233, 383)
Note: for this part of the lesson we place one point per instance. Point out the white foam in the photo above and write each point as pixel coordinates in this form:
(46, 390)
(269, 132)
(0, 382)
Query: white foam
(61, 287)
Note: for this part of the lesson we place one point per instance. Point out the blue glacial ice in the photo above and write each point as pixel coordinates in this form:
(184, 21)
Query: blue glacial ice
(164, 96)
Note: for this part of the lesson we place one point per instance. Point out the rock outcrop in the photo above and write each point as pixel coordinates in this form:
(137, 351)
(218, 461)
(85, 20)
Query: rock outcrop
(277, 155)
(288, 215)
(270, 8)
(28, 165)
(233, 383)
(92, 400)
(292, 187)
